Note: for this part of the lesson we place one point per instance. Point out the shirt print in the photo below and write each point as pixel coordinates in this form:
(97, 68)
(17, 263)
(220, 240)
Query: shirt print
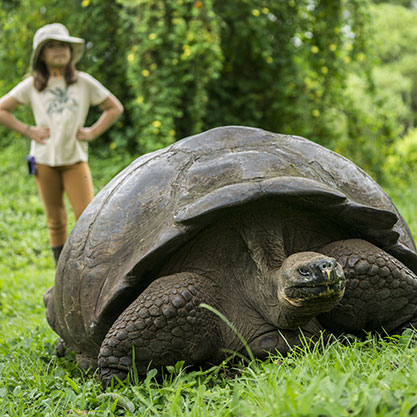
(60, 100)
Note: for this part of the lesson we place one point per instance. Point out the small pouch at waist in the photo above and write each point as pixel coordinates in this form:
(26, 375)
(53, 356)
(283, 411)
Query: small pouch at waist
(31, 165)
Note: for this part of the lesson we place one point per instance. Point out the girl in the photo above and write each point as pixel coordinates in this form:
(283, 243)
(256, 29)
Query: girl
(60, 97)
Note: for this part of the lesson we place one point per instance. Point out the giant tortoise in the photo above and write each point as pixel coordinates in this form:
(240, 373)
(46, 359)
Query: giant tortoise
(281, 236)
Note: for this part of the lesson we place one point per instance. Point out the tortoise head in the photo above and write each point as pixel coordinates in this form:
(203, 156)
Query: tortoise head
(308, 284)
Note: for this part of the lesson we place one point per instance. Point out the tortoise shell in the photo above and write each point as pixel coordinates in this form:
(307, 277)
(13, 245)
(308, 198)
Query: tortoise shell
(164, 198)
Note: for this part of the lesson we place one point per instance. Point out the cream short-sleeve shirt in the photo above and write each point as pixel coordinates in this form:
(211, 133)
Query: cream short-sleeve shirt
(64, 110)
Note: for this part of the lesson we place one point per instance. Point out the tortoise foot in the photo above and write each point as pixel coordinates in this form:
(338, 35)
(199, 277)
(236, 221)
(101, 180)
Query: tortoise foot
(61, 348)
(162, 326)
(112, 376)
(381, 292)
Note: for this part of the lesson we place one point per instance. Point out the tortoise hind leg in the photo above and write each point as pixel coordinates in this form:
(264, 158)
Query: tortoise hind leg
(48, 299)
(163, 325)
(381, 292)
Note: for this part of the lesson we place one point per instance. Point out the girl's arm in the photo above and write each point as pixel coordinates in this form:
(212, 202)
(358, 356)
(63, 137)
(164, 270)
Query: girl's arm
(7, 105)
(112, 109)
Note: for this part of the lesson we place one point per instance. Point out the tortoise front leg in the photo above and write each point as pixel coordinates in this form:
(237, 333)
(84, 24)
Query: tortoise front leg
(163, 325)
(381, 292)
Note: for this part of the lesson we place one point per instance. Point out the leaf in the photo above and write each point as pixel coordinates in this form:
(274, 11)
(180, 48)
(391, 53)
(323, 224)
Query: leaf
(73, 384)
(151, 374)
(118, 400)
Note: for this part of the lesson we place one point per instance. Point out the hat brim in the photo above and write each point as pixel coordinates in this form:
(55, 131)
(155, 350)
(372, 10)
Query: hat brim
(76, 43)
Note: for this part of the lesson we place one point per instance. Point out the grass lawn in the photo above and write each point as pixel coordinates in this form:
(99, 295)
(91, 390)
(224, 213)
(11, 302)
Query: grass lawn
(355, 378)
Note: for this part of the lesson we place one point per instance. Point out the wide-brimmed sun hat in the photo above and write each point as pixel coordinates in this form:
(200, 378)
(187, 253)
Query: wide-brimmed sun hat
(56, 32)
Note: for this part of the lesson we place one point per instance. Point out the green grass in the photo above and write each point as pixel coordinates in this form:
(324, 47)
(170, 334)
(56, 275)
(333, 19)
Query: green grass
(355, 378)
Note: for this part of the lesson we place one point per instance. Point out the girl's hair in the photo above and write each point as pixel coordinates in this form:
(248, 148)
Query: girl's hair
(41, 73)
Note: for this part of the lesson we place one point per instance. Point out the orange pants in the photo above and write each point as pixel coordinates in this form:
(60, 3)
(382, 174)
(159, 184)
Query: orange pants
(76, 181)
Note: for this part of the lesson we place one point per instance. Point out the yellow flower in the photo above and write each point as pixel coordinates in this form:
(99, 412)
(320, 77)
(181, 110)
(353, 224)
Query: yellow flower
(269, 59)
(256, 12)
(265, 10)
(139, 100)
(131, 57)
(85, 3)
(172, 132)
(347, 60)
(333, 47)
(146, 73)
(315, 49)
(152, 36)
(153, 66)
(112, 146)
(187, 52)
(316, 113)
(156, 123)
(361, 56)
(324, 70)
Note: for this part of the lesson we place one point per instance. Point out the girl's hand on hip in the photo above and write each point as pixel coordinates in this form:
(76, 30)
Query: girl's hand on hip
(86, 134)
(38, 134)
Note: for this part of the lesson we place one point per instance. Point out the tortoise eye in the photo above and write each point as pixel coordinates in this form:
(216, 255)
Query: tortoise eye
(303, 271)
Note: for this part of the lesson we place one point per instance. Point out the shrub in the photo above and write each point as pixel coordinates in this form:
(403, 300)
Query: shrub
(401, 163)
(172, 53)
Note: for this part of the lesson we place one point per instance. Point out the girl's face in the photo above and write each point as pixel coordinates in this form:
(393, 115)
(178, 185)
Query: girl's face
(56, 55)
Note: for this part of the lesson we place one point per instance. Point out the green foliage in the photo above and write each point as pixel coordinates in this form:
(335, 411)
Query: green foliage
(401, 163)
(98, 22)
(370, 124)
(20, 209)
(285, 65)
(411, 4)
(380, 106)
(378, 101)
(172, 53)
(340, 73)
(404, 194)
(396, 46)
(182, 66)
